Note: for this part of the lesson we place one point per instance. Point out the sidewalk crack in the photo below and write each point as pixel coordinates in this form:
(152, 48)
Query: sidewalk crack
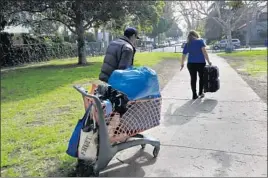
(209, 149)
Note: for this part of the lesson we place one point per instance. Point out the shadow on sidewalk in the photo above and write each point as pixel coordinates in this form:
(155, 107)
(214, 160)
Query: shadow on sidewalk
(131, 167)
(188, 111)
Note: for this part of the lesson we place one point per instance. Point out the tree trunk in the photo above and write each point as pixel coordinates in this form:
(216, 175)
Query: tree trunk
(248, 30)
(96, 30)
(229, 38)
(104, 39)
(81, 45)
(158, 37)
(228, 30)
(254, 19)
(154, 41)
(80, 31)
(189, 28)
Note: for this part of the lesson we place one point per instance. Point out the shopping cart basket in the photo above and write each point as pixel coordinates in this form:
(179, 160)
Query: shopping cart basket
(117, 133)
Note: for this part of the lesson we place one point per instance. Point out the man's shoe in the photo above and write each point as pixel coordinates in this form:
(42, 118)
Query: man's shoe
(202, 95)
(195, 96)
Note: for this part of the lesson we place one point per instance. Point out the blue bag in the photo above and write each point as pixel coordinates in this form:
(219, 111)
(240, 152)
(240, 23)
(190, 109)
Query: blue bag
(74, 140)
(136, 83)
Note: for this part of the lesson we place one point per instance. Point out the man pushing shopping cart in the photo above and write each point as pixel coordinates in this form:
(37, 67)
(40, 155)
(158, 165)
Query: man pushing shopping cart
(119, 54)
(127, 104)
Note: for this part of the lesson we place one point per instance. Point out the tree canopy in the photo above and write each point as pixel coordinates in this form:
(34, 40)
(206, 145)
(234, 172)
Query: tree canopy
(142, 17)
(162, 26)
(79, 15)
(165, 21)
(174, 31)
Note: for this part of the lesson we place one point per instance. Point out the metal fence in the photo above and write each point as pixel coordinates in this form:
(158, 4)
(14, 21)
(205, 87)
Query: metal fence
(174, 48)
(95, 48)
(178, 49)
(144, 49)
(20, 54)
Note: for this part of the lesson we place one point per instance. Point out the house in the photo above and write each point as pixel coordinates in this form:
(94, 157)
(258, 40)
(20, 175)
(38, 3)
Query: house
(258, 28)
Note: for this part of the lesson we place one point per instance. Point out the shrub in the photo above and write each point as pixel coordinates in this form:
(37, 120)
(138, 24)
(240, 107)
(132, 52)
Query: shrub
(21, 54)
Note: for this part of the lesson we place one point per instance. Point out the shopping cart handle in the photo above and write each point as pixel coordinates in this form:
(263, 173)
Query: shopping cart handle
(95, 98)
(81, 90)
(103, 134)
(84, 93)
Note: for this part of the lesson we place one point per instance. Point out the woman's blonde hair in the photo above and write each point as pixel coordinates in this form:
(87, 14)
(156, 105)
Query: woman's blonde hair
(192, 35)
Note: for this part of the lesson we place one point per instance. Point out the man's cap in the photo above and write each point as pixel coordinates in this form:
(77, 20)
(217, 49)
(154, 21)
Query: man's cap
(131, 31)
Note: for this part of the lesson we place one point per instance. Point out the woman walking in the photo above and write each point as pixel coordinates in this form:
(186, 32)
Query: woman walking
(197, 57)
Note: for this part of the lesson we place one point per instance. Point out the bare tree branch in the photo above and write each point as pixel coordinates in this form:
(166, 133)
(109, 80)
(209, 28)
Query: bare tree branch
(239, 18)
(89, 24)
(27, 10)
(199, 11)
(253, 6)
(66, 14)
(199, 8)
(219, 21)
(202, 7)
(217, 6)
(185, 13)
(263, 6)
(190, 16)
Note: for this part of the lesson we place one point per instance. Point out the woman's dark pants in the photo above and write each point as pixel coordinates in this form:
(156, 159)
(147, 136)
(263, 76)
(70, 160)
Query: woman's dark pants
(195, 68)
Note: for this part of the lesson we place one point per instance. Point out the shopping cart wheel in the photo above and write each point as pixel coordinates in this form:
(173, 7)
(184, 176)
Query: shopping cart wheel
(156, 151)
(85, 169)
(95, 174)
(143, 146)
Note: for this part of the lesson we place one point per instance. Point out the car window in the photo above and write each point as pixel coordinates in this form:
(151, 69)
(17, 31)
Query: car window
(222, 41)
(234, 40)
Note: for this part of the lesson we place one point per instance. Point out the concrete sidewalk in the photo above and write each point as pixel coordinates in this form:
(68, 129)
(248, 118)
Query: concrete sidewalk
(224, 134)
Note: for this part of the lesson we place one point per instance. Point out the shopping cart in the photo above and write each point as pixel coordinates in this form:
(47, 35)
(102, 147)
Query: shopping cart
(117, 133)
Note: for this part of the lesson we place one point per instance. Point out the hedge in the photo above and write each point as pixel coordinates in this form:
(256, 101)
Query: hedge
(21, 54)
(33, 49)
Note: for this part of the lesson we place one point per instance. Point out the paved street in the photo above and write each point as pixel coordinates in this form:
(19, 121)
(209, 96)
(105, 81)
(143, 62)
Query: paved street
(223, 134)
(169, 49)
(179, 49)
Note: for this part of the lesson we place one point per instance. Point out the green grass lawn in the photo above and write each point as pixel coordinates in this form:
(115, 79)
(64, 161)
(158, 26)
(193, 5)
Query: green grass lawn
(39, 110)
(252, 62)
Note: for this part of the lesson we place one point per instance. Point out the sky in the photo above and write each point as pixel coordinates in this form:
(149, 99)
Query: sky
(181, 23)
(17, 29)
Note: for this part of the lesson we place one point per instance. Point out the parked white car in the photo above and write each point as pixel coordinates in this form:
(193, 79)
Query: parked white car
(223, 43)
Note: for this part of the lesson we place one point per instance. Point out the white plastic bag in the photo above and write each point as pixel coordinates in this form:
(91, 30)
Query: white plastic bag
(87, 149)
(88, 143)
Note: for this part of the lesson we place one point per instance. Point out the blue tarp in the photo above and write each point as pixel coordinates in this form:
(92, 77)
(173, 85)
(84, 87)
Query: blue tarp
(136, 82)
(74, 140)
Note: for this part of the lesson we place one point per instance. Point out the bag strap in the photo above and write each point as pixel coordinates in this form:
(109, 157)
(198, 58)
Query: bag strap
(86, 115)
